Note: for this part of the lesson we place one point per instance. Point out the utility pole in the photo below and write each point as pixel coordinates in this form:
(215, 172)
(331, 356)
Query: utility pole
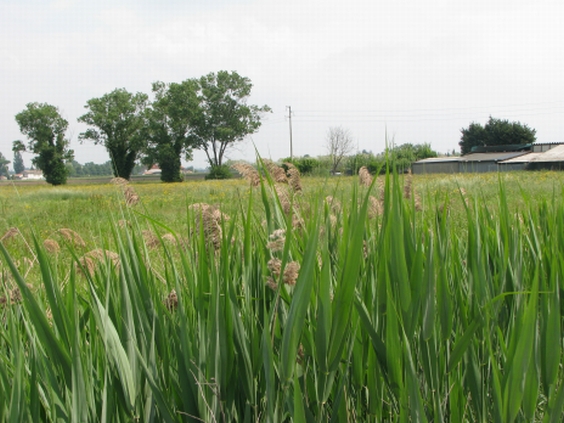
(290, 121)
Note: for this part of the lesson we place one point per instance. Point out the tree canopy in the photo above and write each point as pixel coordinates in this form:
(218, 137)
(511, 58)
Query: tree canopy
(45, 129)
(222, 116)
(168, 127)
(117, 121)
(4, 165)
(18, 162)
(495, 132)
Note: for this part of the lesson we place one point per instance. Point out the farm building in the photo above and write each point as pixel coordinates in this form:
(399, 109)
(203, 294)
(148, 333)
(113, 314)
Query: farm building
(496, 159)
(543, 157)
(484, 162)
(436, 165)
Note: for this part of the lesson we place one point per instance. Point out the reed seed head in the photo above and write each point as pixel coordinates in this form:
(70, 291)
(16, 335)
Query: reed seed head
(284, 198)
(375, 208)
(293, 175)
(248, 172)
(151, 239)
(291, 273)
(277, 240)
(365, 176)
(72, 237)
(131, 197)
(51, 246)
(10, 233)
(171, 301)
(209, 218)
(119, 181)
(276, 172)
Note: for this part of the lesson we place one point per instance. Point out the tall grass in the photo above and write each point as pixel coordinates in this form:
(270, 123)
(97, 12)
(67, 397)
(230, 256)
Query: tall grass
(298, 308)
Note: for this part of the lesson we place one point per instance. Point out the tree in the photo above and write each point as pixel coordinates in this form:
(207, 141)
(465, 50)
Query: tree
(4, 166)
(45, 129)
(118, 120)
(168, 127)
(18, 162)
(222, 116)
(339, 144)
(495, 132)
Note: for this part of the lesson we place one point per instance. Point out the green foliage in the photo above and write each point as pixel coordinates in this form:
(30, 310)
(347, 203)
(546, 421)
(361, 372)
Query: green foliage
(367, 159)
(222, 116)
(18, 162)
(4, 166)
(117, 122)
(398, 158)
(495, 132)
(308, 312)
(168, 127)
(219, 172)
(306, 165)
(401, 157)
(45, 129)
(90, 169)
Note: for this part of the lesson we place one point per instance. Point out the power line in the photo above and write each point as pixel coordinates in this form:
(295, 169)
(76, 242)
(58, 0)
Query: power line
(417, 115)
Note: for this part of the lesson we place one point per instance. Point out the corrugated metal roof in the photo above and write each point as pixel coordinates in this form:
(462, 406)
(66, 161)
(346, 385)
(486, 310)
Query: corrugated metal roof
(438, 160)
(491, 157)
(525, 158)
(555, 154)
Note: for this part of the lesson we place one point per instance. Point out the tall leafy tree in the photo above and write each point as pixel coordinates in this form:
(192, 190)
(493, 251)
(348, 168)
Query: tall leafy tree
(18, 164)
(168, 127)
(45, 129)
(4, 165)
(117, 121)
(495, 132)
(223, 116)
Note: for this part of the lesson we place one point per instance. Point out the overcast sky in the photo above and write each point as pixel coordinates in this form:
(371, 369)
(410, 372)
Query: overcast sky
(419, 70)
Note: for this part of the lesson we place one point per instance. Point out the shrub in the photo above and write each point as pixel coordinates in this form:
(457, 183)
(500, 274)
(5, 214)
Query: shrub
(219, 172)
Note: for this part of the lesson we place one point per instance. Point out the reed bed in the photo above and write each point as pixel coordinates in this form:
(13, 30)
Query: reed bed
(367, 304)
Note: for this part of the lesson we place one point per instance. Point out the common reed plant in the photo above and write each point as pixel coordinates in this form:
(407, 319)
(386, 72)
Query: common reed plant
(368, 310)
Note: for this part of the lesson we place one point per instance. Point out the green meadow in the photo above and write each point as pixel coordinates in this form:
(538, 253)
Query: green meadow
(401, 298)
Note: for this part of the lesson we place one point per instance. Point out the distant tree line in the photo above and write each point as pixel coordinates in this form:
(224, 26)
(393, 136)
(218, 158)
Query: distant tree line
(398, 158)
(209, 113)
(89, 169)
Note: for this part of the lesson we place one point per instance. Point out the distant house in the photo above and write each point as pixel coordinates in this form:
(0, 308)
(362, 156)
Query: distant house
(155, 170)
(32, 174)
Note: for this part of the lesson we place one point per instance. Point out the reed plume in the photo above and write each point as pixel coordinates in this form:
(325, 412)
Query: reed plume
(51, 246)
(10, 233)
(119, 181)
(293, 175)
(365, 176)
(278, 174)
(248, 172)
(72, 237)
(276, 240)
(209, 218)
(131, 197)
(151, 239)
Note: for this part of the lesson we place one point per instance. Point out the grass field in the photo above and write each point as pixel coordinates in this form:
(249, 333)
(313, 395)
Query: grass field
(428, 298)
